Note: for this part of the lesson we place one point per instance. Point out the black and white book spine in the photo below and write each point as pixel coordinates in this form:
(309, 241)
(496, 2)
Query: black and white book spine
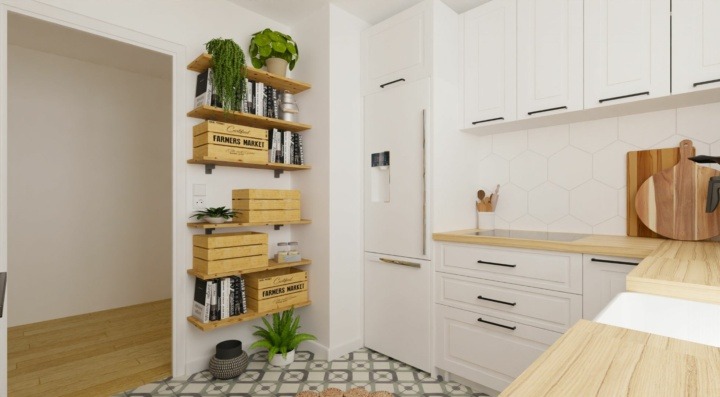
(238, 295)
(296, 148)
(225, 306)
(201, 301)
(270, 148)
(246, 95)
(287, 147)
(262, 99)
(231, 305)
(300, 150)
(278, 146)
(203, 89)
(276, 104)
(243, 295)
(213, 300)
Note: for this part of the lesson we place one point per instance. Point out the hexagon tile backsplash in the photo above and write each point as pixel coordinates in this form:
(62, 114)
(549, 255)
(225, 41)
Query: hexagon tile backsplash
(571, 177)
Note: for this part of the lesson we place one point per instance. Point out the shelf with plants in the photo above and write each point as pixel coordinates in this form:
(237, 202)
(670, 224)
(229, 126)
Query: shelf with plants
(250, 315)
(218, 114)
(272, 264)
(209, 227)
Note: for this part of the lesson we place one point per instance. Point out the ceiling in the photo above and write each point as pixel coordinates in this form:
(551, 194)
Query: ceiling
(289, 12)
(39, 35)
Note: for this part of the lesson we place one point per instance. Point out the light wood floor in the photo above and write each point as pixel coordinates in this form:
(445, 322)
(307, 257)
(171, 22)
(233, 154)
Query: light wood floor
(95, 354)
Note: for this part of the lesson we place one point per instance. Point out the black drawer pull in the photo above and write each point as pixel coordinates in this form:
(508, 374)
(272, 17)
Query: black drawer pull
(496, 324)
(706, 82)
(546, 110)
(625, 96)
(615, 262)
(497, 301)
(485, 121)
(496, 264)
(392, 82)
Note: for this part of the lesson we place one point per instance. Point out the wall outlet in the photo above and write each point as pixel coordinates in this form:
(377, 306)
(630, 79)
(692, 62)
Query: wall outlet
(198, 202)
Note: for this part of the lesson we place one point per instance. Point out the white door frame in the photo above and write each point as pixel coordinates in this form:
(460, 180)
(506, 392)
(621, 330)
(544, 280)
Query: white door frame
(179, 230)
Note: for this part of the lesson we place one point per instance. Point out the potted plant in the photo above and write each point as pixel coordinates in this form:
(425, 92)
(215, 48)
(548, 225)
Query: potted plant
(214, 215)
(281, 337)
(228, 72)
(275, 50)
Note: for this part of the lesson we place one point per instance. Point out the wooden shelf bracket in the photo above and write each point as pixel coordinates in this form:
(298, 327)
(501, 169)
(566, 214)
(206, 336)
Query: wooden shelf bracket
(278, 173)
(209, 168)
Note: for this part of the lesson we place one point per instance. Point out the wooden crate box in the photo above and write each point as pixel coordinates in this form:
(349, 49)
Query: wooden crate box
(231, 129)
(253, 204)
(265, 194)
(224, 240)
(267, 216)
(275, 277)
(217, 138)
(266, 205)
(230, 265)
(280, 302)
(229, 153)
(229, 252)
(275, 291)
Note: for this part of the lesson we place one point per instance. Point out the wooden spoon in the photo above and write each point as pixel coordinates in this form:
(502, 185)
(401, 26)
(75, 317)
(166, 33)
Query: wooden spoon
(481, 194)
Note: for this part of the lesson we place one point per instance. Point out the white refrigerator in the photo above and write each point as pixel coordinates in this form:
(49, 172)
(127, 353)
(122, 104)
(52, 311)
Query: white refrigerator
(398, 275)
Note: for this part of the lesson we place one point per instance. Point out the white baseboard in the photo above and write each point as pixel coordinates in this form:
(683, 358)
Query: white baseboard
(336, 352)
(473, 385)
(320, 351)
(196, 365)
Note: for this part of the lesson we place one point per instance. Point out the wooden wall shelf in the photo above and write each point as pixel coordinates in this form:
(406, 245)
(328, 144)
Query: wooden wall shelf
(213, 226)
(206, 112)
(271, 265)
(202, 63)
(250, 315)
(278, 168)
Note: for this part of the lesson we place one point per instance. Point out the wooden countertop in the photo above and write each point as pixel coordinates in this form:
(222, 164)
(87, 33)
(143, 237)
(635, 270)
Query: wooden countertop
(680, 269)
(631, 247)
(594, 359)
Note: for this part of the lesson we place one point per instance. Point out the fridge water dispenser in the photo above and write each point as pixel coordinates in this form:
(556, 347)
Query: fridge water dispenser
(380, 177)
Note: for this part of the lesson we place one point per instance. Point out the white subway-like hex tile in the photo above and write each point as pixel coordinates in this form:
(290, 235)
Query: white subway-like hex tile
(549, 140)
(647, 129)
(592, 136)
(699, 122)
(484, 146)
(528, 222)
(509, 145)
(494, 170)
(593, 202)
(570, 224)
(570, 168)
(549, 202)
(674, 141)
(512, 203)
(615, 226)
(528, 170)
(622, 203)
(610, 164)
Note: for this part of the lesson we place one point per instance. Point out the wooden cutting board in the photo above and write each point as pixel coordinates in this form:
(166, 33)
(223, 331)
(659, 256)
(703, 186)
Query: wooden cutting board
(672, 202)
(641, 165)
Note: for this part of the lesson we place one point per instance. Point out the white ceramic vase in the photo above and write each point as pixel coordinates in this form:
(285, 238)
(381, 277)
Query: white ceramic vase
(215, 219)
(276, 66)
(279, 361)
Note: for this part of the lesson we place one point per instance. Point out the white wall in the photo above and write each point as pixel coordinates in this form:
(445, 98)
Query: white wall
(572, 177)
(90, 187)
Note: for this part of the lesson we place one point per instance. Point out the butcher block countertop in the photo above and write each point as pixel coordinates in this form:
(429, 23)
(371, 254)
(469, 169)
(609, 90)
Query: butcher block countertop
(680, 269)
(594, 359)
(631, 247)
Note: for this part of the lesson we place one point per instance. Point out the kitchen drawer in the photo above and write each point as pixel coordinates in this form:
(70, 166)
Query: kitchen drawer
(551, 310)
(533, 268)
(484, 353)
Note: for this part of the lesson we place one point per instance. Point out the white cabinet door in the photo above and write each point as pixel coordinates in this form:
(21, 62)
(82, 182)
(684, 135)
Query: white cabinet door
(398, 308)
(696, 45)
(398, 49)
(489, 63)
(549, 57)
(627, 50)
(603, 278)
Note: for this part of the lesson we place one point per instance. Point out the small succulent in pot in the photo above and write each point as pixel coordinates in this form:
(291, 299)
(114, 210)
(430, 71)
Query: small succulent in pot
(214, 215)
(274, 49)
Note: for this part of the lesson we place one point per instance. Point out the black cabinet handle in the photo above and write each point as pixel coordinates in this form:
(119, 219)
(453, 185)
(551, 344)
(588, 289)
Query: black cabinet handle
(497, 325)
(625, 96)
(392, 82)
(546, 110)
(485, 121)
(497, 301)
(706, 82)
(615, 262)
(495, 264)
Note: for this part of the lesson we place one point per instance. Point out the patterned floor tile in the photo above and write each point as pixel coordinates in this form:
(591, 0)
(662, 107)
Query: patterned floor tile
(159, 388)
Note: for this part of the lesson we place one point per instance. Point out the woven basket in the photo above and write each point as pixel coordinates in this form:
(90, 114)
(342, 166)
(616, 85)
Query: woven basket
(230, 368)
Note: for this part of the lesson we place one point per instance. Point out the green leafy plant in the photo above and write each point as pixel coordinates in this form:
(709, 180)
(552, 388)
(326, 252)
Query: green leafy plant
(229, 72)
(281, 336)
(271, 44)
(217, 212)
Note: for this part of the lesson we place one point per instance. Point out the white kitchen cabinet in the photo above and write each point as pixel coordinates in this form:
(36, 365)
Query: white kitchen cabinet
(696, 45)
(627, 50)
(397, 50)
(603, 278)
(549, 57)
(489, 58)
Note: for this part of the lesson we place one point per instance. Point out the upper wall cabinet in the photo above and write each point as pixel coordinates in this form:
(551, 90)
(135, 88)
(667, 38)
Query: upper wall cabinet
(549, 57)
(627, 50)
(398, 49)
(696, 45)
(489, 63)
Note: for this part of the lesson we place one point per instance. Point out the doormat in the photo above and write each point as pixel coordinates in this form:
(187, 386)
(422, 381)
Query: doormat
(354, 392)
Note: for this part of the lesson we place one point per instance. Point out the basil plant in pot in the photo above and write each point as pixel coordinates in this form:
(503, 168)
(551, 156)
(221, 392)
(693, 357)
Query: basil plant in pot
(281, 338)
(214, 215)
(275, 50)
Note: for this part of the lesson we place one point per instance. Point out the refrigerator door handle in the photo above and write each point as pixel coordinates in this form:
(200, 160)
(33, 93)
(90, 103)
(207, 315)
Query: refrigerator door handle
(403, 263)
(424, 189)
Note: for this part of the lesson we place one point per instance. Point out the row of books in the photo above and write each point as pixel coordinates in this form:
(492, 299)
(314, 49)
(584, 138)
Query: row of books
(219, 298)
(259, 99)
(285, 147)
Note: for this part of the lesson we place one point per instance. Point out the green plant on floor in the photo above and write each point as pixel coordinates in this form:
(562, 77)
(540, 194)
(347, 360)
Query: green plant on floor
(217, 212)
(281, 336)
(229, 72)
(271, 44)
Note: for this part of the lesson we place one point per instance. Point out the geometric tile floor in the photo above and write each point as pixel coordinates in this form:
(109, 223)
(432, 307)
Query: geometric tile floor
(362, 368)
